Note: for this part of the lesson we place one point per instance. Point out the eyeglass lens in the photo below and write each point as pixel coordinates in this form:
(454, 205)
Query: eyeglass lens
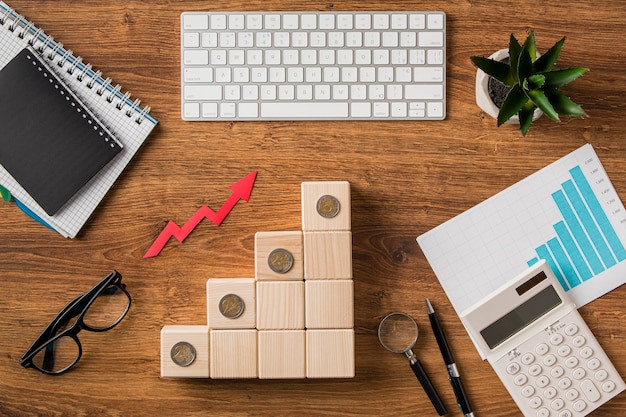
(57, 355)
(107, 309)
(105, 312)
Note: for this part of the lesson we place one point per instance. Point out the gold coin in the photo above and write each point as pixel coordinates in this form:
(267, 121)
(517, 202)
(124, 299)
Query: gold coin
(280, 260)
(231, 306)
(183, 354)
(328, 206)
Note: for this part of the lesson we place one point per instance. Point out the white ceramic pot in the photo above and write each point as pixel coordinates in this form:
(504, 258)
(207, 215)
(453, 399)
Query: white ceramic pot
(482, 91)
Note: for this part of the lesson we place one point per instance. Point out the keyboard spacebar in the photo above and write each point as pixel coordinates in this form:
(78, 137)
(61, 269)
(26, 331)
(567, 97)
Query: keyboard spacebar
(304, 110)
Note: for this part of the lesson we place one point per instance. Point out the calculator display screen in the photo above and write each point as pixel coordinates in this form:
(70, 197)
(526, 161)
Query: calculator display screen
(520, 317)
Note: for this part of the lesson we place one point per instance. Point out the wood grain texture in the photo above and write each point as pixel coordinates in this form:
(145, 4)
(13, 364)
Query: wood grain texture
(405, 177)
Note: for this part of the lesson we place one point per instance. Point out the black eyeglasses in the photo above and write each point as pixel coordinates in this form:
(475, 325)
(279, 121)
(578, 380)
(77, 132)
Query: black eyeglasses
(57, 349)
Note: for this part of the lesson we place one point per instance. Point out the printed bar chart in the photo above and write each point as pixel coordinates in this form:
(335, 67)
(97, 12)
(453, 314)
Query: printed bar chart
(586, 243)
(567, 213)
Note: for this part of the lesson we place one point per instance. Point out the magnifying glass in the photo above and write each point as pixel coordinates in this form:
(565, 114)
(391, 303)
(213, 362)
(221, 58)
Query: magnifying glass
(397, 332)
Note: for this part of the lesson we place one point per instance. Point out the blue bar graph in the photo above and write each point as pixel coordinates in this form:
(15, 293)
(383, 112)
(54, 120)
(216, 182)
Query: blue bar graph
(585, 242)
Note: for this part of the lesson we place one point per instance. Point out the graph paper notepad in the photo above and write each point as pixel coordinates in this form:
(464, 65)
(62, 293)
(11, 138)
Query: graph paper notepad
(567, 213)
(124, 118)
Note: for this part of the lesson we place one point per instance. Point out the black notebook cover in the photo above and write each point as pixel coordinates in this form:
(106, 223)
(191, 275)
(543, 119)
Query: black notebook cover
(49, 142)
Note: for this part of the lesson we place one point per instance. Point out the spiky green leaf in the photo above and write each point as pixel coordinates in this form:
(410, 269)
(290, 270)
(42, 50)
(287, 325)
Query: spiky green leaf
(541, 100)
(496, 69)
(514, 51)
(546, 61)
(564, 105)
(538, 80)
(514, 101)
(525, 65)
(526, 117)
(559, 78)
(531, 46)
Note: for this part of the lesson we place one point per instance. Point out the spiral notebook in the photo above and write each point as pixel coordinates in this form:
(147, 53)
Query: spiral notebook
(54, 151)
(123, 118)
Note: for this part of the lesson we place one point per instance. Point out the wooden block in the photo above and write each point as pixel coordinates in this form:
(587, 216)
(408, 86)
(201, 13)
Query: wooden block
(233, 354)
(219, 290)
(312, 193)
(282, 354)
(280, 305)
(329, 304)
(272, 243)
(177, 342)
(330, 353)
(328, 255)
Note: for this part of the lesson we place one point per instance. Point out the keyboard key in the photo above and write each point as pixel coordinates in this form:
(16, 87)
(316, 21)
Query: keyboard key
(435, 21)
(195, 22)
(196, 57)
(424, 92)
(428, 74)
(198, 75)
(218, 21)
(430, 39)
(590, 391)
(191, 40)
(203, 92)
(191, 110)
(249, 110)
(300, 110)
(360, 110)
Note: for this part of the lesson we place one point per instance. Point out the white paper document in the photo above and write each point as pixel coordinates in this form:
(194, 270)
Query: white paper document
(568, 213)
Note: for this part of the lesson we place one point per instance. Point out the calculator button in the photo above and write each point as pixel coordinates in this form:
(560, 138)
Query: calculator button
(571, 362)
(593, 364)
(534, 370)
(512, 368)
(549, 360)
(535, 402)
(550, 393)
(564, 350)
(565, 413)
(601, 375)
(556, 339)
(586, 352)
(528, 358)
(520, 380)
(571, 329)
(589, 389)
(557, 372)
(579, 406)
(608, 386)
(557, 404)
(565, 383)
(578, 341)
(542, 381)
(528, 390)
(542, 349)
(572, 394)
(543, 412)
(579, 373)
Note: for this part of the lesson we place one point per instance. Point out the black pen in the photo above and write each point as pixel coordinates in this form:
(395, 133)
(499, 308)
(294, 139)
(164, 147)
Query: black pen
(455, 378)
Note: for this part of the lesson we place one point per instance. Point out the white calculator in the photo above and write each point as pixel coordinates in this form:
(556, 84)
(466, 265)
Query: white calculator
(540, 347)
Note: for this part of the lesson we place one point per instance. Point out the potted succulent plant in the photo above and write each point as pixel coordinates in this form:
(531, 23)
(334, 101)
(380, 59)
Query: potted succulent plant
(530, 81)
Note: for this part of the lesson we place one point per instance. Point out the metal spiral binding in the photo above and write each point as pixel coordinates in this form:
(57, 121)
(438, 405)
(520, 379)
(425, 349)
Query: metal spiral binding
(52, 50)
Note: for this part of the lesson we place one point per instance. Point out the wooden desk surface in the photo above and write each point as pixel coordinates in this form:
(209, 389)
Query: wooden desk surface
(406, 178)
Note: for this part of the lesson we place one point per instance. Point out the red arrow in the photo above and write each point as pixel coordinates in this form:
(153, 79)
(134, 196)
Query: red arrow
(241, 190)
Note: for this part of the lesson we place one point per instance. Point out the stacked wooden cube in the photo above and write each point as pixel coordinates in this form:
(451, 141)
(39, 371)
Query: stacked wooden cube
(297, 320)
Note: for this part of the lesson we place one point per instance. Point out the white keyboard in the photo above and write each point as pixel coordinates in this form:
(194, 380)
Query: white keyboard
(313, 66)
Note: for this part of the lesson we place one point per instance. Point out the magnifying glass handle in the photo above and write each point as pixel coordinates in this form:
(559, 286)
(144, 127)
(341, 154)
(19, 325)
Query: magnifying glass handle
(428, 386)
